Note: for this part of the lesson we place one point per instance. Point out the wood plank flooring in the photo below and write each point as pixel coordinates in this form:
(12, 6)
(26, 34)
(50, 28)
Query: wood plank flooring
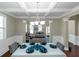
(7, 54)
(74, 52)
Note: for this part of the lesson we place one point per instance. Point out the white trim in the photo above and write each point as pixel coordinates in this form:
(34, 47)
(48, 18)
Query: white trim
(72, 38)
(23, 6)
(52, 5)
(77, 40)
(71, 13)
(56, 39)
(66, 48)
(3, 11)
(4, 26)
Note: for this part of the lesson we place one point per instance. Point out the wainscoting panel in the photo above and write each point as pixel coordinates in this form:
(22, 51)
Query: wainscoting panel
(56, 39)
(6, 42)
(72, 39)
(77, 40)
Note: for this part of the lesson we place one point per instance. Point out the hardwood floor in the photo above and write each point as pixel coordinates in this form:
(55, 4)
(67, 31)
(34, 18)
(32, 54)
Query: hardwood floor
(74, 52)
(7, 54)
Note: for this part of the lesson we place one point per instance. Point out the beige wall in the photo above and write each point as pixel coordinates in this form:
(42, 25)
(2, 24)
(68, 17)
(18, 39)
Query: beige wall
(76, 19)
(76, 32)
(71, 27)
(57, 27)
(10, 26)
(20, 27)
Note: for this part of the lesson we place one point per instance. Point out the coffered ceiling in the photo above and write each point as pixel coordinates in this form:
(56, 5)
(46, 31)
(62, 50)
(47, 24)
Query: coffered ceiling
(22, 10)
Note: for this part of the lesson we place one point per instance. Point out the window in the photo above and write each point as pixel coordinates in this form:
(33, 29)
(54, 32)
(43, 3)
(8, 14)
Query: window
(48, 30)
(36, 26)
(26, 27)
(2, 28)
(40, 27)
(42, 22)
(31, 27)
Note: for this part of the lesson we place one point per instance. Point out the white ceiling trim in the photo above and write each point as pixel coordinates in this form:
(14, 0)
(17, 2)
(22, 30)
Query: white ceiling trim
(13, 10)
(22, 4)
(19, 10)
(3, 11)
(35, 17)
(51, 7)
(71, 13)
(49, 10)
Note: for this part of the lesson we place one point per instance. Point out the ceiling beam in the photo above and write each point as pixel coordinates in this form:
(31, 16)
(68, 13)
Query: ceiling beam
(22, 10)
(23, 6)
(52, 5)
(35, 17)
(74, 11)
(3, 11)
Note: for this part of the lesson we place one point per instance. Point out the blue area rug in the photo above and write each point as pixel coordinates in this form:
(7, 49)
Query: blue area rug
(37, 47)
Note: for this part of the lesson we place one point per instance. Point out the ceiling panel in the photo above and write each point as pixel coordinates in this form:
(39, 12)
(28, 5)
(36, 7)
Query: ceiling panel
(9, 5)
(36, 14)
(65, 5)
(35, 5)
(18, 14)
(17, 10)
(55, 14)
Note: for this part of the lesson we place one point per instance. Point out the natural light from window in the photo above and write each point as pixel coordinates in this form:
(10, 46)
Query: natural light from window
(2, 27)
(36, 25)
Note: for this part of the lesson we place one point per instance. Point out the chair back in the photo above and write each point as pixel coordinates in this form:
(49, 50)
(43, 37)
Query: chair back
(60, 46)
(13, 47)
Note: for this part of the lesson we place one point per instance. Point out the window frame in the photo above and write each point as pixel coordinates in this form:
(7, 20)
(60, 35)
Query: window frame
(4, 26)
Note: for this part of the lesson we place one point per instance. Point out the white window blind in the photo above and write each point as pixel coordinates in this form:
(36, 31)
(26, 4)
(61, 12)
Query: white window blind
(2, 28)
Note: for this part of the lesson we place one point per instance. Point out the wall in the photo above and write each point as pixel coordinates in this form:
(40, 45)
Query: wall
(71, 31)
(10, 26)
(56, 29)
(76, 19)
(20, 27)
(60, 32)
(10, 35)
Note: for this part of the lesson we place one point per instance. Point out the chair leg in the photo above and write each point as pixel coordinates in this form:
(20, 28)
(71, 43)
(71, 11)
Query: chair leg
(27, 41)
(70, 49)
